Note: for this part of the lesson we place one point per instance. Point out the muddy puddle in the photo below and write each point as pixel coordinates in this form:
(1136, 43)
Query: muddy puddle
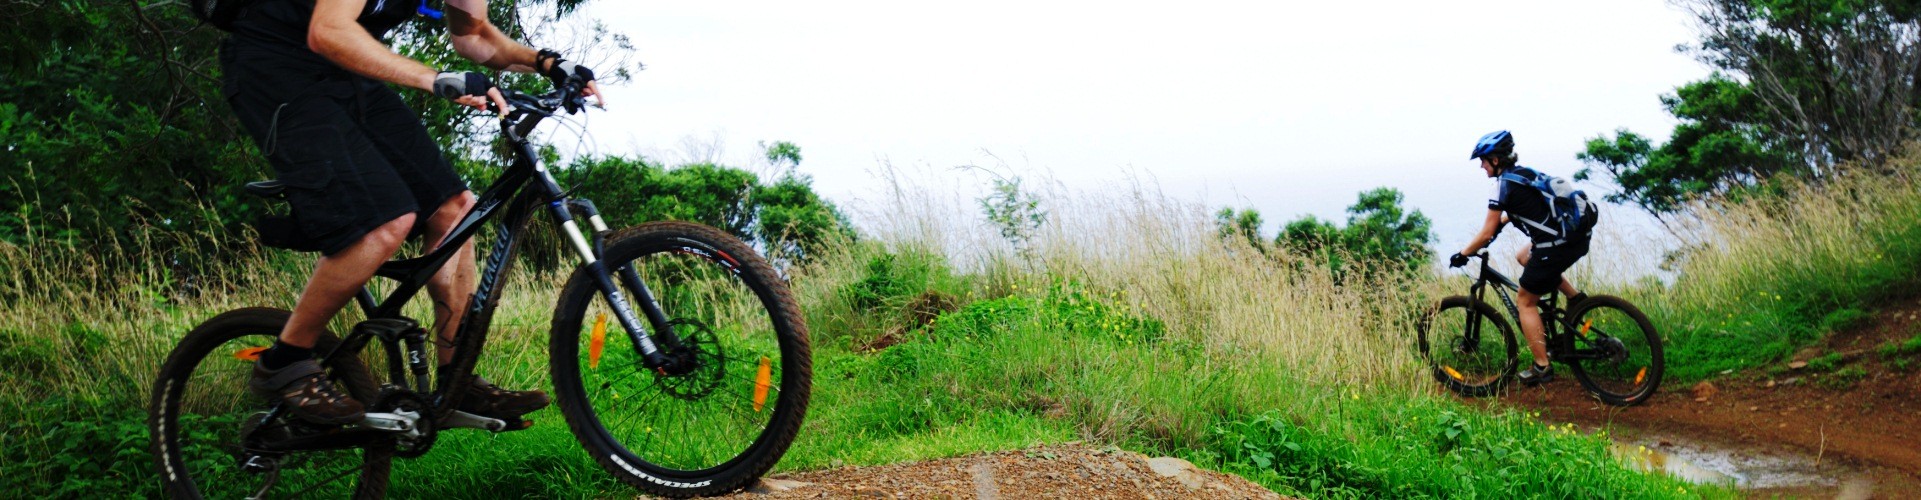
(1745, 467)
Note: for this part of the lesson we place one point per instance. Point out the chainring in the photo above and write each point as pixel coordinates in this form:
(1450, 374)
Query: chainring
(413, 443)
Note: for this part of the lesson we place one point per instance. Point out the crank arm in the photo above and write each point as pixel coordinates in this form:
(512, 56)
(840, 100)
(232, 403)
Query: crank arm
(463, 420)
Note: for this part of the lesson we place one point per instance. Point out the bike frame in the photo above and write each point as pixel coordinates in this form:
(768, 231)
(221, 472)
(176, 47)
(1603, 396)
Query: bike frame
(1551, 317)
(510, 192)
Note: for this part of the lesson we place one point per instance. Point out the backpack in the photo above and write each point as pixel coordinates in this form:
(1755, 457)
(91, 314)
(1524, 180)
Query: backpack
(1571, 216)
(219, 13)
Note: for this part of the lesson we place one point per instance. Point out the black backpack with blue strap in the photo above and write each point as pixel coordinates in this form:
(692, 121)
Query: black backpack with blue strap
(221, 13)
(1571, 216)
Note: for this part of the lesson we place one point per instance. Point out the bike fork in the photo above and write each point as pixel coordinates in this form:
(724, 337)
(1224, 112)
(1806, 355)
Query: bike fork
(652, 355)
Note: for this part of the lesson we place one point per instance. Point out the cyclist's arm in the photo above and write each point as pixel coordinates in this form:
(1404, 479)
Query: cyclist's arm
(1489, 228)
(336, 35)
(476, 38)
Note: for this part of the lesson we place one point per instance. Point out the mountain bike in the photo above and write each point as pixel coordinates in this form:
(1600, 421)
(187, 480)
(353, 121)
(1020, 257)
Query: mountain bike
(701, 389)
(1609, 344)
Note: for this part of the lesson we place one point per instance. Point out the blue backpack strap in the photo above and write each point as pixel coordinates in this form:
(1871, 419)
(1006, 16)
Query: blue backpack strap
(429, 11)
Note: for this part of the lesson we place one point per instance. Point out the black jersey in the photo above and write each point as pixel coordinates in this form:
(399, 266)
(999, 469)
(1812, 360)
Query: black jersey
(281, 25)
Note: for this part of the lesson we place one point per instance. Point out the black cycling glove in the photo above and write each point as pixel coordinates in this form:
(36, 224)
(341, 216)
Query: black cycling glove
(561, 70)
(454, 84)
(1457, 260)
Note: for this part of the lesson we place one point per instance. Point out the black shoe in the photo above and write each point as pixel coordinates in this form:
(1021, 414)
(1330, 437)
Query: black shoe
(304, 387)
(485, 399)
(1537, 375)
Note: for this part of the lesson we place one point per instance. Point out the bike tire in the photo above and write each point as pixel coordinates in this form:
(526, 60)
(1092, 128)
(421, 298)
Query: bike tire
(1474, 367)
(203, 384)
(1634, 376)
(698, 274)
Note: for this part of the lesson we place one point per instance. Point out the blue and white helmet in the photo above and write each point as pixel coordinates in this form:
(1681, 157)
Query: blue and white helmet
(1498, 142)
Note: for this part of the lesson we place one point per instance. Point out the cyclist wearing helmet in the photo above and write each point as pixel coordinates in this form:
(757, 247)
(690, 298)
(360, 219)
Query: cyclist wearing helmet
(1543, 261)
(309, 79)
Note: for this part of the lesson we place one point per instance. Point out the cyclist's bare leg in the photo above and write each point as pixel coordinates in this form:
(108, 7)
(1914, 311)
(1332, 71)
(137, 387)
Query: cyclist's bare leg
(1531, 326)
(337, 277)
(454, 284)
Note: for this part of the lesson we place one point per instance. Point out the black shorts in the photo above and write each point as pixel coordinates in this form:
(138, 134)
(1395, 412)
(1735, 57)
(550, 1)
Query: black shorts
(353, 156)
(1545, 265)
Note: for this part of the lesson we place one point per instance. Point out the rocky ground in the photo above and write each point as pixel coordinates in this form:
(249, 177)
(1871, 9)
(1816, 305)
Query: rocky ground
(1063, 471)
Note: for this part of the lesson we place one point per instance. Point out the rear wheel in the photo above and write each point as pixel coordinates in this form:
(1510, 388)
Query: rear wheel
(729, 417)
(205, 425)
(1468, 345)
(1617, 354)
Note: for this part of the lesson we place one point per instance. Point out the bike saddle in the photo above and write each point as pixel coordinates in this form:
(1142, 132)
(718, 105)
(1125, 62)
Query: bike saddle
(267, 189)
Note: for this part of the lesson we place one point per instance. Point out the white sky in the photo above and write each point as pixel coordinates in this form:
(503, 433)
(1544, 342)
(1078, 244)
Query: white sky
(1290, 109)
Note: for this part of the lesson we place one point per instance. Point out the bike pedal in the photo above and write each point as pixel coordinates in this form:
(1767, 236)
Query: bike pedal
(517, 424)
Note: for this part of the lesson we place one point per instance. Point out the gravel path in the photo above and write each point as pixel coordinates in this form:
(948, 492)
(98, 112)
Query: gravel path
(1064, 471)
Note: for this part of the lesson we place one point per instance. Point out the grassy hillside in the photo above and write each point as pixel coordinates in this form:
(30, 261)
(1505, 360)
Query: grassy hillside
(1761, 277)
(1124, 320)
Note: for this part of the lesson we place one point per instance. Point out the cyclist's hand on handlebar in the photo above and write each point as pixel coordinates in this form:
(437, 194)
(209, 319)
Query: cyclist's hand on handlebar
(562, 71)
(1457, 260)
(471, 88)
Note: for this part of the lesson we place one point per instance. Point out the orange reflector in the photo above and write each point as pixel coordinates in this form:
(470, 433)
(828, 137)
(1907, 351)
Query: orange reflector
(763, 378)
(249, 354)
(595, 341)
(1640, 375)
(1451, 373)
(1585, 326)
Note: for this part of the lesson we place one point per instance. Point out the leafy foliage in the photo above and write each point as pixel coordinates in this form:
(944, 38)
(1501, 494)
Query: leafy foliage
(1379, 231)
(1802, 86)
(1016, 212)
(1723, 144)
(785, 216)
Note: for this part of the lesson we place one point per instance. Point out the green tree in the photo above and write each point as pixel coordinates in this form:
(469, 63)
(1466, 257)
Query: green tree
(1379, 232)
(1723, 144)
(1802, 86)
(1015, 211)
(785, 216)
(1245, 223)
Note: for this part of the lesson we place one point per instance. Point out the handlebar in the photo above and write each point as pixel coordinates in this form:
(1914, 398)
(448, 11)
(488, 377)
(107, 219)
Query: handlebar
(529, 109)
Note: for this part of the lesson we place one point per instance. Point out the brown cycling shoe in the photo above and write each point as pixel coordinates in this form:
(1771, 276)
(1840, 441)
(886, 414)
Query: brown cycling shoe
(488, 400)
(303, 386)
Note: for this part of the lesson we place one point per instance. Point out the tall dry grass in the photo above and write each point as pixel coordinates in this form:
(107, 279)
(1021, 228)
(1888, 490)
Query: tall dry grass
(1162, 256)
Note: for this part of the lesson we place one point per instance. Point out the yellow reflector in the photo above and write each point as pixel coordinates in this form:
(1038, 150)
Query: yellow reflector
(1451, 373)
(249, 354)
(1640, 375)
(763, 378)
(595, 341)
(1585, 326)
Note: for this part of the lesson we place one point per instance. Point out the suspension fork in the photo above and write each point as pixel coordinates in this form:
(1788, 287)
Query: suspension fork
(664, 332)
(652, 354)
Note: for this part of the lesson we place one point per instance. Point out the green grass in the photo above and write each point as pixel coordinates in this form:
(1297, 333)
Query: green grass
(1232, 360)
(1763, 278)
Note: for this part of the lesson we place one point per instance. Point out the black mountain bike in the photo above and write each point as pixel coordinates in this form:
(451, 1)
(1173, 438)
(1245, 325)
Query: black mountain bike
(1610, 345)
(701, 389)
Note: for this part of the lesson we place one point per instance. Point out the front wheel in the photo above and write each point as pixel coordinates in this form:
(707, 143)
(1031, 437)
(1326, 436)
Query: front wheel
(714, 425)
(1617, 354)
(1468, 345)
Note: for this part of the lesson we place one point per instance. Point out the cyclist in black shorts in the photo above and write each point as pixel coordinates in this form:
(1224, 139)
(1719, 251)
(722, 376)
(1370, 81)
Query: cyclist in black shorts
(1543, 260)
(309, 81)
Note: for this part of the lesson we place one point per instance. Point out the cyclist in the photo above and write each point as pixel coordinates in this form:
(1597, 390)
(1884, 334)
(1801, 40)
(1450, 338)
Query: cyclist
(308, 80)
(1544, 260)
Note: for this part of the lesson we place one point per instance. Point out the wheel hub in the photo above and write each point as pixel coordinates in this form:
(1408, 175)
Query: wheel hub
(699, 363)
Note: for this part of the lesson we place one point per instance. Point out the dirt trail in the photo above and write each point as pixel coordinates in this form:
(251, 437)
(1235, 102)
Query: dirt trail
(1064, 471)
(1868, 430)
